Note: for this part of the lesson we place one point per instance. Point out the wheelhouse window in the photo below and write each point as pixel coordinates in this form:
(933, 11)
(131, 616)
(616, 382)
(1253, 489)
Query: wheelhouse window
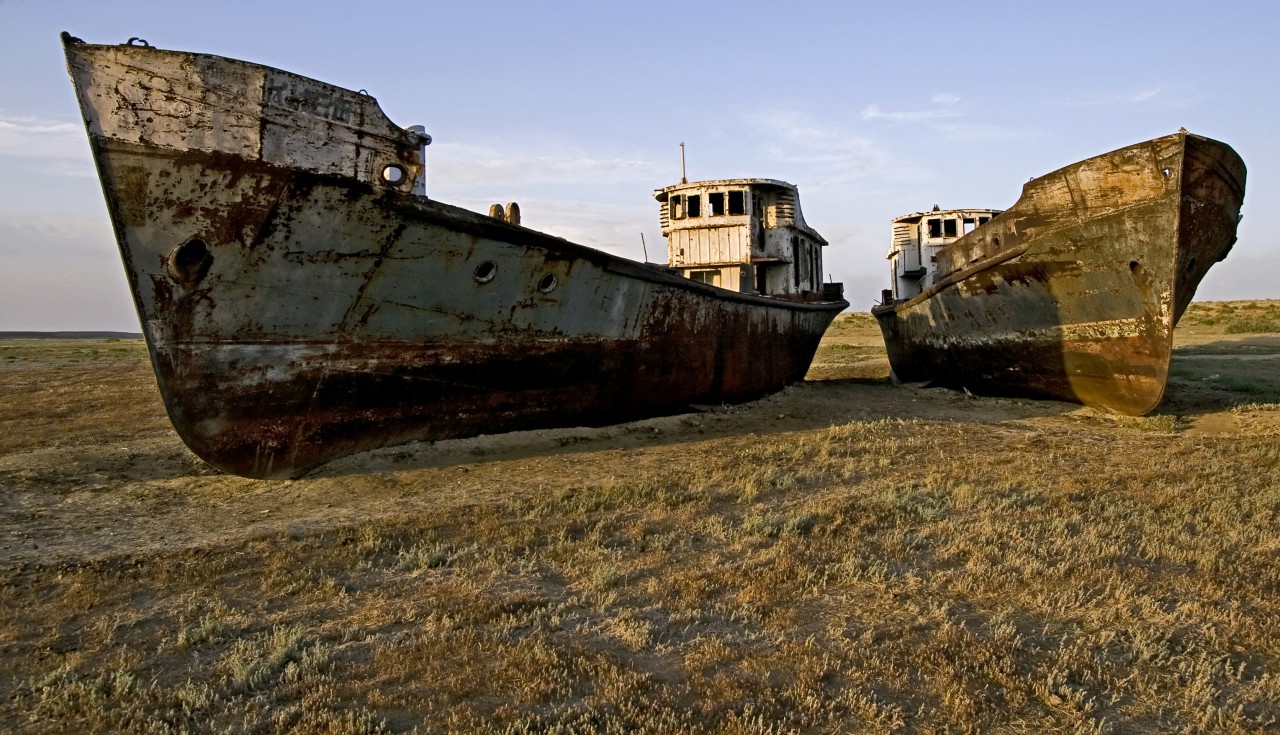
(935, 228)
(948, 228)
(693, 205)
(715, 203)
(677, 206)
(711, 278)
(737, 202)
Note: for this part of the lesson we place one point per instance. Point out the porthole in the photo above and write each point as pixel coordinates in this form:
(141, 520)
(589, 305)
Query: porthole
(548, 283)
(190, 261)
(485, 271)
(394, 174)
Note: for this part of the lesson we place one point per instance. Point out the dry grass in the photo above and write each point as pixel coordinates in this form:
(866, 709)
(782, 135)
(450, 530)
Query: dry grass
(1233, 317)
(935, 565)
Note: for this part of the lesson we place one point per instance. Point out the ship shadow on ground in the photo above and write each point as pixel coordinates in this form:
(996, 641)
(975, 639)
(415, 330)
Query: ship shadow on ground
(799, 408)
(1204, 379)
(1221, 375)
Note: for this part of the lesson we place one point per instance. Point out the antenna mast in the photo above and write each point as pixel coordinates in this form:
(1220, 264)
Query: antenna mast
(683, 179)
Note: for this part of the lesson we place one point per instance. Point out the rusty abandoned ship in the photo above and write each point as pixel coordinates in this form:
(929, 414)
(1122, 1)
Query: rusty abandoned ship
(1074, 291)
(302, 299)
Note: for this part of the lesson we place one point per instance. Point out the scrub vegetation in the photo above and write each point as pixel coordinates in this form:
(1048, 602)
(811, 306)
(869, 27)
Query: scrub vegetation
(846, 556)
(1234, 317)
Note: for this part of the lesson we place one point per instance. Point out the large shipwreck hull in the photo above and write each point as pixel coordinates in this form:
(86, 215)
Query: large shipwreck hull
(1074, 291)
(301, 303)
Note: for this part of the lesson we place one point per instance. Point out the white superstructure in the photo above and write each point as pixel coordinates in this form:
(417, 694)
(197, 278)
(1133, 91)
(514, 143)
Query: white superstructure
(745, 235)
(917, 238)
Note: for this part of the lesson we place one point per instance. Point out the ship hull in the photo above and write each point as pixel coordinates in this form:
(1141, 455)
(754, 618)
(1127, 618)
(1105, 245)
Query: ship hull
(298, 310)
(1074, 291)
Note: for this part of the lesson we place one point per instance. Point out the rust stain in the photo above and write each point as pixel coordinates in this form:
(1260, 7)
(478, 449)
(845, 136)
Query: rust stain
(1074, 291)
(303, 299)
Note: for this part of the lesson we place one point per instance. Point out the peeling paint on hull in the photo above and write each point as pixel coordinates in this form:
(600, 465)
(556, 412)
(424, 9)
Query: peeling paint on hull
(299, 306)
(1073, 292)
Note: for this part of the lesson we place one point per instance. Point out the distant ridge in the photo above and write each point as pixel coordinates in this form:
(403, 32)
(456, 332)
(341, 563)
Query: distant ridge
(70, 335)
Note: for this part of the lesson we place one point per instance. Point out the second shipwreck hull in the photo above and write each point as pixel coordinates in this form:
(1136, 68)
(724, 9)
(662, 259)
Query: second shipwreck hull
(1074, 291)
(301, 302)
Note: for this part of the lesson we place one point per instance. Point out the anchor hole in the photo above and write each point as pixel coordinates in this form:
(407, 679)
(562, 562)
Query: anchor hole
(190, 261)
(548, 283)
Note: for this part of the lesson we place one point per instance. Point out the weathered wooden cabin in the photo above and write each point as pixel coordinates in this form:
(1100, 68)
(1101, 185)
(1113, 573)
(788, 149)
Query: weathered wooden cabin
(917, 238)
(745, 235)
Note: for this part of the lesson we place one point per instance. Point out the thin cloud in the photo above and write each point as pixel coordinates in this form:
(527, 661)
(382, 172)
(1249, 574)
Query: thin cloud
(468, 165)
(824, 153)
(58, 235)
(973, 131)
(48, 166)
(36, 126)
(946, 110)
(947, 120)
(800, 138)
(1120, 98)
(610, 227)
(798, 129)
(36, 137)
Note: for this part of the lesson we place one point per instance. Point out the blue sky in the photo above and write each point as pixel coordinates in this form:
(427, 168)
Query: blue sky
(576, 110)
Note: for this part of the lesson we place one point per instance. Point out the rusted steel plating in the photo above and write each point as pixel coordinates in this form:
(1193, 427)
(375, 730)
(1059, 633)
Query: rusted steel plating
(1073, 293)
(302, 300)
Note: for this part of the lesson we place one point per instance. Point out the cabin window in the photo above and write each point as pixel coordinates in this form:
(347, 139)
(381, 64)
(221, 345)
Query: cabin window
(737, 202)
(969, 225)
(693, 205)
(711, 278)
(935, 228)
(948, 228)
(983, 220)
(677, 207)
(715, 203)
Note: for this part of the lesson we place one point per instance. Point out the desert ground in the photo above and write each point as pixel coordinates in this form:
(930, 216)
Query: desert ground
(848, 555)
